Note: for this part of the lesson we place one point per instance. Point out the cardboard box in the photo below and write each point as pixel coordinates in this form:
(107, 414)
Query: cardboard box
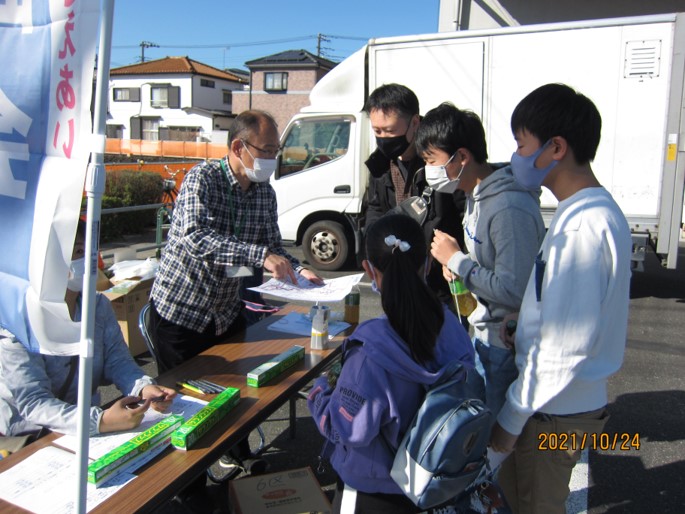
(287, 492)
(128, 298)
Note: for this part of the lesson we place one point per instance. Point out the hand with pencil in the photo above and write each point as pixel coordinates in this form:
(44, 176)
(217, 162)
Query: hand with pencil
(160, 396)
(127, 413)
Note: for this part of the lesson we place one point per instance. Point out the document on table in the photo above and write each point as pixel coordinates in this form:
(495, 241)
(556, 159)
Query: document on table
(301, 325)
(332, 290)
(45, 483)
(100, 444)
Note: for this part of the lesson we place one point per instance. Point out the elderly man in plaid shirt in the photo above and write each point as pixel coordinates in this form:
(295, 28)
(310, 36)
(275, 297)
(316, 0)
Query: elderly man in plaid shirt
(225, 216)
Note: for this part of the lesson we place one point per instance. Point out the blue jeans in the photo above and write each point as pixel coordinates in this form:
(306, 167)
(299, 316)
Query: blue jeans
(497, 367)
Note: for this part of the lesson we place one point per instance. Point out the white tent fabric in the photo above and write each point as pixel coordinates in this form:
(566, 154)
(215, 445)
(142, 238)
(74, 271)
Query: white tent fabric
(45, 141)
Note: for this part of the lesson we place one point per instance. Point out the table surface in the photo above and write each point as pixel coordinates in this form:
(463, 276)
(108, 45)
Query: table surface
(226, 364)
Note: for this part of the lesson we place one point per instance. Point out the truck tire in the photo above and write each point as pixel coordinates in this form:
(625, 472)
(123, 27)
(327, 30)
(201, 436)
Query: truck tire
(325, 245)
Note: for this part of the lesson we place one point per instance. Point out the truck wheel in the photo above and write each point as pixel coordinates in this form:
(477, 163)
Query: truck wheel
(325, 245)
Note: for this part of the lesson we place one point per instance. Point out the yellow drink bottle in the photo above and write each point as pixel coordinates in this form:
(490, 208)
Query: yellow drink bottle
(463, 298)
(352, 305)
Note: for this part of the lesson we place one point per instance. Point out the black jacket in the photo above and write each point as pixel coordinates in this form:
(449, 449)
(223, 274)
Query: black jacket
(445, 210)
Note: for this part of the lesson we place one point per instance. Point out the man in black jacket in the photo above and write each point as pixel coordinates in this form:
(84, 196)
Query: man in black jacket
(396, 173)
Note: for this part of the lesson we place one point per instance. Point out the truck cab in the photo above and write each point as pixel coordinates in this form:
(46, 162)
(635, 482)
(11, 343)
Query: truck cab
(319, 189)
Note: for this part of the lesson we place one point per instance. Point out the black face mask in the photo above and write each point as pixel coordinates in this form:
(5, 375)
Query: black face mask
(392, 147)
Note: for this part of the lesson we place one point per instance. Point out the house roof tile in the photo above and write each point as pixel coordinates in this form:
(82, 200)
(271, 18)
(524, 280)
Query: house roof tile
(175, 65)
(295, 58)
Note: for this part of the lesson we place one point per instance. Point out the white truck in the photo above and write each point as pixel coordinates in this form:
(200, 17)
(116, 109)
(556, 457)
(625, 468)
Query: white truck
(632, 68)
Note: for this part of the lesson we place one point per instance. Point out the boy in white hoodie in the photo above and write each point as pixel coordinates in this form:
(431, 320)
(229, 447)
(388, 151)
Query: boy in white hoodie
(503, 231)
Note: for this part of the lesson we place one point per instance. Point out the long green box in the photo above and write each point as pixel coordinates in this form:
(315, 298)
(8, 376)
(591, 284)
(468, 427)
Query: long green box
(197, 426)
(262, 374)
(124, 455)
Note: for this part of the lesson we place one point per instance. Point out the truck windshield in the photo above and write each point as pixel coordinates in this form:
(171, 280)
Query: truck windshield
(312, 143)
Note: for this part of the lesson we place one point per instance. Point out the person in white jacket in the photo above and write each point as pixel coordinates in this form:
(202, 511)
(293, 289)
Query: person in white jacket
(41, 391)
(572, 325)
(503, 230)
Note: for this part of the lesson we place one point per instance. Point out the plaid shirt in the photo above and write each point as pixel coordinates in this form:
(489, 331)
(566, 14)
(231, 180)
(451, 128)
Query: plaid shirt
(215, 225)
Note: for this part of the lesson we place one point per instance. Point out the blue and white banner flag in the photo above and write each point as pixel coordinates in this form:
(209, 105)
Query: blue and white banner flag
(46, 85)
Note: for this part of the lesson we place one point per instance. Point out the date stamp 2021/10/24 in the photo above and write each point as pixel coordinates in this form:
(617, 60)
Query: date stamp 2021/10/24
(622, 441)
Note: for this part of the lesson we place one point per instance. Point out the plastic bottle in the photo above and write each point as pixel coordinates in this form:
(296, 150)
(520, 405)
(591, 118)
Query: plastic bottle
(319, 314)
(464, 300)
(352, 305)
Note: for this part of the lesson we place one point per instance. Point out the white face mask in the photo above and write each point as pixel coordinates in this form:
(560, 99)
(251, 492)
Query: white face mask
(77, 270)
(263, 168)
(374, 284)
(438, 180)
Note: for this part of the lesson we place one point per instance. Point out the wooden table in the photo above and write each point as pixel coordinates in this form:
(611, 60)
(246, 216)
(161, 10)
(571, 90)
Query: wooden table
(226, 364)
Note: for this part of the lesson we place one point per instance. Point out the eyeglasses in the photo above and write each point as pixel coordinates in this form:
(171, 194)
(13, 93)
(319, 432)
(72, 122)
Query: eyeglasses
(273, 154)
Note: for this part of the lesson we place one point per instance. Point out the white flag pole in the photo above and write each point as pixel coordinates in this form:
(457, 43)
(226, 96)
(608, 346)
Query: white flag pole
(95, 187)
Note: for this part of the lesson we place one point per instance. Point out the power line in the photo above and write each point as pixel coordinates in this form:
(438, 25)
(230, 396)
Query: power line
(223, 45)
(354, 38)
(253, 43)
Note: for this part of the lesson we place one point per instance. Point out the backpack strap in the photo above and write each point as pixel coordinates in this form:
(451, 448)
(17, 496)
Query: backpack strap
(347, 346)
(450, 370)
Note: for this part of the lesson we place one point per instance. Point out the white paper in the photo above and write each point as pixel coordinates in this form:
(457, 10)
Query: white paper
(101, 444)
(44, 483)
(134, 269)
(301, 325)
(332, 290)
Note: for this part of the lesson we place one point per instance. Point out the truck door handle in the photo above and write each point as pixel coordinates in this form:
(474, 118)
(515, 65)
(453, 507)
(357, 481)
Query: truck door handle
(341, 190)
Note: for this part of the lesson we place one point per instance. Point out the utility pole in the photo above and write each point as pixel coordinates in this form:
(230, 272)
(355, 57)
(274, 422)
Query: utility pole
(143, 46)
(319, 38)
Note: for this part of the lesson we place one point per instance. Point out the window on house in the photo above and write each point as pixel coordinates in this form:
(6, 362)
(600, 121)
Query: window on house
(182, 133)
(159, 96)
(114, 131)
(126, 94)
(206, 83)
(228, 96)
(165, 96)
(276, 81)
(150, 129)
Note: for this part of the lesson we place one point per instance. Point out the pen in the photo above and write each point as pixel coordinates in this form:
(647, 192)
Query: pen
(218, 388)
(200, 386)
(141, 401)
(190, 388)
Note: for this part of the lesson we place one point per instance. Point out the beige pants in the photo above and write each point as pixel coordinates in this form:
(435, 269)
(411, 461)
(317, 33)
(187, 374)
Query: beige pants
(535, 477)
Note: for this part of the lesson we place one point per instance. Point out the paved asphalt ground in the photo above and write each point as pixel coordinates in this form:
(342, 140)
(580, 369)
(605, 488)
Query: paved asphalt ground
(647, 401)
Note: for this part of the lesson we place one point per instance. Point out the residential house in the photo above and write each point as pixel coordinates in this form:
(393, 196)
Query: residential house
(280, 83)
(171, 99)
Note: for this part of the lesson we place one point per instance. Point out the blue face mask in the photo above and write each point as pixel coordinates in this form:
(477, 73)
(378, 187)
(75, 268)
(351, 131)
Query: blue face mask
(374, 285)
(526, 173)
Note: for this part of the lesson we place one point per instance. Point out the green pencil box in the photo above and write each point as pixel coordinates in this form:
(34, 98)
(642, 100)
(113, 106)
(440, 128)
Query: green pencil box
(262, 374)
(197, 426)
(138, 448)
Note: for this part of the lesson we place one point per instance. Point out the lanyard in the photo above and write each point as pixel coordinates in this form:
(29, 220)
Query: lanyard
(237, 229)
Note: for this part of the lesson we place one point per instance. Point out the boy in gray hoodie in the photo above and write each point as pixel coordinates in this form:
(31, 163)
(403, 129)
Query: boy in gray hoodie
(503, 230)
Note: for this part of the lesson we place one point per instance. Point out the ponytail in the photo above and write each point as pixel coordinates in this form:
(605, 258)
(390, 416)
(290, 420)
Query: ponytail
(396, 246)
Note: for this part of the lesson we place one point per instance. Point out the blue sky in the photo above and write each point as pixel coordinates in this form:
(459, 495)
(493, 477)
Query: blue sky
(225, 33)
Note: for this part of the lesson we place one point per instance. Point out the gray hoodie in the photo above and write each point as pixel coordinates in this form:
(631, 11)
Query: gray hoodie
(503, 230)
